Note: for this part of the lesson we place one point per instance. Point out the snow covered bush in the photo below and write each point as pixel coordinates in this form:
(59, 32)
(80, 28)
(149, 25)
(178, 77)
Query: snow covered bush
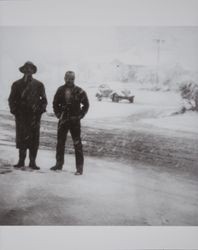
(189, 93)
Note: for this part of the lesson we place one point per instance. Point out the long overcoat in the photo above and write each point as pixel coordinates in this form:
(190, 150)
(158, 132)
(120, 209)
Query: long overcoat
(27, 102)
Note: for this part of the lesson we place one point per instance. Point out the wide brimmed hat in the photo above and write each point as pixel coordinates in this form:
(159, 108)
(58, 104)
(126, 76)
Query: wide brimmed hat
(23, 69)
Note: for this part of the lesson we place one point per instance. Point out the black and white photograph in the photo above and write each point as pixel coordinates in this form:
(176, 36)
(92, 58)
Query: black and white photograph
(98, 125)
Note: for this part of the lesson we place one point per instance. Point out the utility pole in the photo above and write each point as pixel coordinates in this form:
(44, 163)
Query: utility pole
(158, 42)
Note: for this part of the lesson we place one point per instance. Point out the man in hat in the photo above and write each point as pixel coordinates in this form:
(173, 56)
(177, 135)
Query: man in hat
(70, 106)
(27, 103)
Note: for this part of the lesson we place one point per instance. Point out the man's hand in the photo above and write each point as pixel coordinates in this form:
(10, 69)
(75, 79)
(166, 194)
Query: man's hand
(58, 115)
(81, 116)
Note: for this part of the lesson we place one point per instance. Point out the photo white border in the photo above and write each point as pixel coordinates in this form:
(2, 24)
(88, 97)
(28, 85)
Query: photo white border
(97, 238)
(102, 13)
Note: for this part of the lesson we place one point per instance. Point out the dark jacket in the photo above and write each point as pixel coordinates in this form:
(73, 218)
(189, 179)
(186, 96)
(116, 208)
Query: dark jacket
(27, 102)
(27, 97)
(76, 108)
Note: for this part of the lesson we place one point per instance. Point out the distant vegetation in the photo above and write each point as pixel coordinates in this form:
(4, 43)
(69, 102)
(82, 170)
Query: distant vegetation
(189, 92)
(166, 78)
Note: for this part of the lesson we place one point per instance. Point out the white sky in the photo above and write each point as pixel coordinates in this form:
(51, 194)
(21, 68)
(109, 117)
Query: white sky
(133, 45)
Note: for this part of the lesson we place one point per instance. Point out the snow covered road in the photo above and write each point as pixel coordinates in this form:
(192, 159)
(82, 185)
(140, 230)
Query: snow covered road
(109, 193)
(140, 169)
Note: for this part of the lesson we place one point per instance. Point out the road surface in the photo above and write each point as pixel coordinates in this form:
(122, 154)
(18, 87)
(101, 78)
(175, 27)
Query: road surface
(109, 193)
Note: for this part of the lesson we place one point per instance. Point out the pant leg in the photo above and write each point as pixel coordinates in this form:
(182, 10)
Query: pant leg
(32, 155)
(63, 128)
(75, 129)
(22, 155)
(33, 136)
(34, 131)
(22, 134)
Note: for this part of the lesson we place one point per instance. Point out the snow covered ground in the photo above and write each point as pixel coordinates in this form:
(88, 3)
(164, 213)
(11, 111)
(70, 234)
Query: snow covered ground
(151, 110)
(109, 193)
(140, 168)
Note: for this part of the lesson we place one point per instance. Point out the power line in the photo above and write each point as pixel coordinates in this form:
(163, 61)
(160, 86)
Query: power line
(158, 43)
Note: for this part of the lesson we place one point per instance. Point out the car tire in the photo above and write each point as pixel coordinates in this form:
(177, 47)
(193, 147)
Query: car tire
(115, 98)
(131, 99)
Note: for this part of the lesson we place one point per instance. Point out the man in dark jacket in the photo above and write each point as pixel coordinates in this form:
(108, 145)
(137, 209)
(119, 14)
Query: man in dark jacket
(70, 106)
(27, 102)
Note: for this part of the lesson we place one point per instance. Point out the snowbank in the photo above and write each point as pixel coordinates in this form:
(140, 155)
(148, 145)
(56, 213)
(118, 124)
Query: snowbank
(185, 122)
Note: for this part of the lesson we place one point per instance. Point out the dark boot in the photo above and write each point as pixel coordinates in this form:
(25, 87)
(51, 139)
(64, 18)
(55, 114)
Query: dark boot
(22, 156)
(33, 166)
(57, 167)
(32, 155)
(78, 172)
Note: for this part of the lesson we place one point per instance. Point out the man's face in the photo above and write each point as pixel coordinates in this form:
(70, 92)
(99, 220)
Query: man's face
(69, 78)
(29, 70)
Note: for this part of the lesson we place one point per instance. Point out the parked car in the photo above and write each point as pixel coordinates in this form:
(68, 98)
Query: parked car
(104, 91)
(124, 94)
